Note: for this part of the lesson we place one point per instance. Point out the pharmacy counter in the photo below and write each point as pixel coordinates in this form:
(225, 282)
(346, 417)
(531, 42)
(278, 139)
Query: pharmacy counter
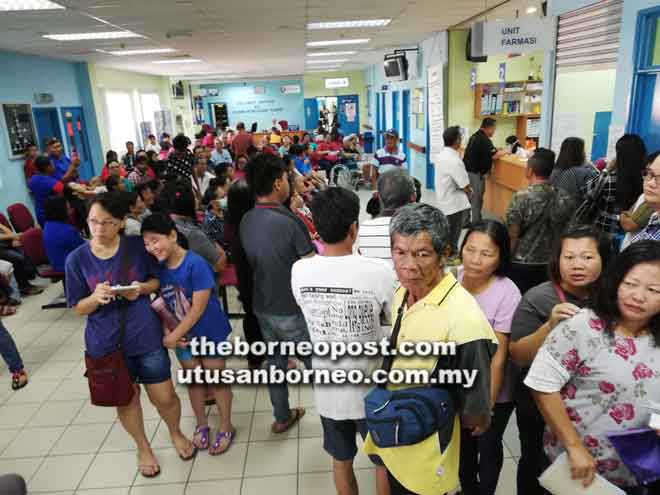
(505, 179)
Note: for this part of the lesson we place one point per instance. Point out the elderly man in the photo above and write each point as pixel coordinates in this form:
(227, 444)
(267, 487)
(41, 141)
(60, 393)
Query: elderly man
(435, 309)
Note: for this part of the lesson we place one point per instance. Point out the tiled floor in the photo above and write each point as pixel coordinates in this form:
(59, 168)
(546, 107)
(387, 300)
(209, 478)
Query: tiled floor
(54, 438)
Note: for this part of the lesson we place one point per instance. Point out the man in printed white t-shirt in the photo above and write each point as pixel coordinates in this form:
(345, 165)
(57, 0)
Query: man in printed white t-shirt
(343, 297)
(452, 185)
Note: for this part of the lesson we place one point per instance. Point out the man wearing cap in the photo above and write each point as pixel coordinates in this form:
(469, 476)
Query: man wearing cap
(388, 157)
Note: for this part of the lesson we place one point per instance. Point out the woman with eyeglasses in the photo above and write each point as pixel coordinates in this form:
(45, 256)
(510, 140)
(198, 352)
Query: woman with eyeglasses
(652, 196)
(597, 371)
(110, 259)
(575, 265)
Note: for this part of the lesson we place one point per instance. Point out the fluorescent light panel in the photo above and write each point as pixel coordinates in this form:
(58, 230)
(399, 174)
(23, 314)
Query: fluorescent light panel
(23, 5)
(178, 61)
(531, 10)
(331, 61)
(107, 35)
(330, 54)
(144, 51)
(338, 42)
(365, 23)
(321, 70)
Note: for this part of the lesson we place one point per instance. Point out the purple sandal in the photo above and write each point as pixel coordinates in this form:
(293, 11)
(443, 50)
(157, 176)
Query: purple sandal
(203, 432)
(229, 435)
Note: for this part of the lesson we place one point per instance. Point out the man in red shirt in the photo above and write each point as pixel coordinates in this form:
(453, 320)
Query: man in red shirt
(31, 152)
(241, 141)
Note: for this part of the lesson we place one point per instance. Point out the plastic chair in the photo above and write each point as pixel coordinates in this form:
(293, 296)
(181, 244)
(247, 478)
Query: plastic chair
(33, 247)
(20, 217)
(228, 277)
(284, 125)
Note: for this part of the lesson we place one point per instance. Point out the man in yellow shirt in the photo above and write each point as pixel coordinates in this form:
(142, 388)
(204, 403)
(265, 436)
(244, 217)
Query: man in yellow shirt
(436, 309)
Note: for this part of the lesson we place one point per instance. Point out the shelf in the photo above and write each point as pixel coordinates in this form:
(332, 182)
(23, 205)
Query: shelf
(512, 115)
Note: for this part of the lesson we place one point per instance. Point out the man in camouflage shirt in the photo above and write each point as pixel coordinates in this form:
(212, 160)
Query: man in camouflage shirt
(536, 215)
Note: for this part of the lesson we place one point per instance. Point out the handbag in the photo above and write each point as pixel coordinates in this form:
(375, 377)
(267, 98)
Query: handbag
(587, 212)
(110, 383)
(408, 416)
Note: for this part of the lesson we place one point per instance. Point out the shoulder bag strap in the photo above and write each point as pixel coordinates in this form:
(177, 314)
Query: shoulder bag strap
(560, 292)
(123, 305)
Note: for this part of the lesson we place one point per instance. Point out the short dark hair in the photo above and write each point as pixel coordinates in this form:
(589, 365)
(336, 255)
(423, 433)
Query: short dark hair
(221, 169)
(180, 142)
(151, 136)
(296, 150)
(240, 126)
(499, 234)
(141, 159)
(130, 197)
(452, 135)
(395, 188)
(158, 223)
(488, 122)
(262, 172)
(141, 187)
(578, 232)
(130, 142)
(604, 299)
(52, 141)
(542, 162)
(112, 183)
(179, 198)
(112, 202)
(56, 210)
(42, 162)
(334, 210)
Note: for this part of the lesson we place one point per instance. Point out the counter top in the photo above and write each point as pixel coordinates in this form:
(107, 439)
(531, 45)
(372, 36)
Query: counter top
(513, 159)
(507, 176)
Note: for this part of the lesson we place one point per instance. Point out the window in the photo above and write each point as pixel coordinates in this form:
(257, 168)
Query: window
(121, 119)
(149, 104)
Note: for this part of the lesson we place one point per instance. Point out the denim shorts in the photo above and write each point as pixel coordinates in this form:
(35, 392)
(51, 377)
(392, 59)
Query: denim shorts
(152, 367)
(185, 354)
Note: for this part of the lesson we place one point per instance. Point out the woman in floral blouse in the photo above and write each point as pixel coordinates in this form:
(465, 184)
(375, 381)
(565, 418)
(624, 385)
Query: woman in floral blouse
(595, 371)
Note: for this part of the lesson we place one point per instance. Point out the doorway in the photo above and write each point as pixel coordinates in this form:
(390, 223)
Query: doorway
(76, 138)
(405, 121)
(47, 122)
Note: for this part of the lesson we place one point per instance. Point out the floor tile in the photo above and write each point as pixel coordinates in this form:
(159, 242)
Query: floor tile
(33, 442)
(241, 421)
(16, 416)
(306, 396)
(81, 439)
(54, 370)
(110, 470)
(56, 413)
(60, 473)
(273, 485)
(313, 458)
(262, 403)
(72, 389)
(226, 466)
(172, 469)
(224, 487)
(244, 398)
(162, 437)
(6, 437)
(317, 483)
(310, 424)
(272, 458)
(34, 354)
(90, 414)
(261, 429)
(118, 440)
(25, 467)
(173, 489)
(68, 352)
(104, 491)
(366, 479)
(37, 390)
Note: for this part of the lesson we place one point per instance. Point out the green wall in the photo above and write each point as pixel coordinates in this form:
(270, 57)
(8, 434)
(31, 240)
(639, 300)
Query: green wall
(461, 96)
(581, 95)
(314, 85)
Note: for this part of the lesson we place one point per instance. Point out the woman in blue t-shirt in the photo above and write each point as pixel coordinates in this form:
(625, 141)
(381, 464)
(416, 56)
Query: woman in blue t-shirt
(187, 285)
(110, 259)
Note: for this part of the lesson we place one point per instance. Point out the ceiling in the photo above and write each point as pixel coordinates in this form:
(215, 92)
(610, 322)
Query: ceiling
(250, 38)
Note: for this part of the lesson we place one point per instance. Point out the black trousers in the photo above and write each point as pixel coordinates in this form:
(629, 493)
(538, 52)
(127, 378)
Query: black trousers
(24, 270)
(456, 222)
(483, 456)
(533, 460)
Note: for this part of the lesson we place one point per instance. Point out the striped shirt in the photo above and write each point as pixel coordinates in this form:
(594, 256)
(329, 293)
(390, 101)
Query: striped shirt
(384, 157)
(374, 238)
(651, 231)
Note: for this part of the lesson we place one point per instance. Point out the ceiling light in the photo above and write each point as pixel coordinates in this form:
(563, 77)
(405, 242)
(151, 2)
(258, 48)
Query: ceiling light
(108, 35)
(338, 42)
(20, 5)
(349, 24)
(145, 51)
(329, 54)
(178, 61)
(331, 61)
(531, 10)
(321, 70)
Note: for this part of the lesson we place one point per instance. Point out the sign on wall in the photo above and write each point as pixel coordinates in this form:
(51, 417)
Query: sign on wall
(336, 82)
(20, 128)
(290, 89)
(517, 36)
(436, 110)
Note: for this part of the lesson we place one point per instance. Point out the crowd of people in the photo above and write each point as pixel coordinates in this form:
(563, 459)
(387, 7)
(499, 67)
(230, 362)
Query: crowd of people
(555, 307)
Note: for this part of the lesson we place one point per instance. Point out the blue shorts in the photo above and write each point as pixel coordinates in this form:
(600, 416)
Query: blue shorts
(185, 354)
(339, 438)
(152, 367)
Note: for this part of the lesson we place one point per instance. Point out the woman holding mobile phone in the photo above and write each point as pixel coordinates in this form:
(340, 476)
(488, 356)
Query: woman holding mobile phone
(91, 272)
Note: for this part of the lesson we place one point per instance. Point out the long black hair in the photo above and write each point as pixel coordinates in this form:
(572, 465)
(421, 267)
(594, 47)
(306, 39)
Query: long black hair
(630, 163)
(605, 300)
(500, 237)
(239, 201)
(571, 153)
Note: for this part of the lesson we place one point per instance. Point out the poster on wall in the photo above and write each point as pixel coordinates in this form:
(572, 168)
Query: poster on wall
(614, 134)
(199, 110)
(290, 89)
(20, 128)
(350, 110)
(163, 120)
(564, 125)
(436, 111)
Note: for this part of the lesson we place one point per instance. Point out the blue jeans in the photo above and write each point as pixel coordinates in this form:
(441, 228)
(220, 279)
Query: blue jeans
(9, 351)
(277, 328)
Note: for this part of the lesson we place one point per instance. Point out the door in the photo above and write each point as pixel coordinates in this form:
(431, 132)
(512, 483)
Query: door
(601, 134)
(383, 119)
(405, 121)
(648, 110)
(348, 107)
(76, 138)
(395, 112)
(48, 126)
(311, 113)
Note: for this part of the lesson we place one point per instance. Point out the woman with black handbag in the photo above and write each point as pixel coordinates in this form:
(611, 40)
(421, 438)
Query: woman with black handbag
(109, 280)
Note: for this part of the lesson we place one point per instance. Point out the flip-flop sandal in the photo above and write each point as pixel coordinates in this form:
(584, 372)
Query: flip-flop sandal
(7, 310)
(143, 467)
(229, 435)
(16, 382)
(203, 432)
(293, 419)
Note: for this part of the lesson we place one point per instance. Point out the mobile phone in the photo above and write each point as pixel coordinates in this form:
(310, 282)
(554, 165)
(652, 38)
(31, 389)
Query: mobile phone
(123, 287)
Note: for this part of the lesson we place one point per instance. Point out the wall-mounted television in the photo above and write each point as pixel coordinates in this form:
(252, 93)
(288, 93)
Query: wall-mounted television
(396, 66)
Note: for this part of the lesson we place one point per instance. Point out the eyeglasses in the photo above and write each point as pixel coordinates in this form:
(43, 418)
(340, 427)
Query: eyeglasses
(102, 223)
(651, 177)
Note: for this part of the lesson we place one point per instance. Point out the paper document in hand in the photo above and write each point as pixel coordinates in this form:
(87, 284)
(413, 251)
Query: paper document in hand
(557, 480)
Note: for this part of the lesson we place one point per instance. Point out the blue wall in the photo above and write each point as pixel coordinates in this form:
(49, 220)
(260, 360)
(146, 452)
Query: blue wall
(246, 106)
(22, 76)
